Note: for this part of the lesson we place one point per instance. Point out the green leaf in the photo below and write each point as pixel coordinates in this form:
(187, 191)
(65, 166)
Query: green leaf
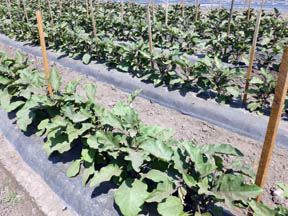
(130, 196)
(233, 91)
(232, 189)
(86, 58)
(19, 57)
(73, 133)
(224, 149)
(157, 148)
(90, 92)
(256, 80)
(204, 168)
(260, 209)
(189, 180)
(284, 188)
(73, 169)
(136, 157)
(157, 176)
(105, 174)
(123, 66)
(163, 190)
(172, 206)
(70, 88)
(55, 80)
(13, 106)
(132, 96)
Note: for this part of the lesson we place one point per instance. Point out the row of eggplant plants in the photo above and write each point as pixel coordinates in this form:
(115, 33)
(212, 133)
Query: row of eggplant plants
(146, 164)
(72, 33)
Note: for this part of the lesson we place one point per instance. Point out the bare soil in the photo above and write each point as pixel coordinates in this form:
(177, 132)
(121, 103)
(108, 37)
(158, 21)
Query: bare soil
(186, 127)
(14, 200)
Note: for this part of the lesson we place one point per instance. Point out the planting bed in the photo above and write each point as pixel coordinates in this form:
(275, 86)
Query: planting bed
(186, 127)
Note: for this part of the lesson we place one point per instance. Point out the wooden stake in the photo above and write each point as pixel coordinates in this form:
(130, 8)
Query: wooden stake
(44, 54)
(39, 4)
(98, 4)
(51, 14)
(122, 10)
(9, 10)
(275, 116)
(252, 54)
(197, 11)
(152, 5)
(251, 60)
(93, 22)
(230, 17)
(87, 7)
(166, 12)
(60, 7)
(183, 2)
(25, 11)
(150, 35)
(249, 8)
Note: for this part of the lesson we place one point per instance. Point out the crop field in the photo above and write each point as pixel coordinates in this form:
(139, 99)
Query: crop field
(182, 48)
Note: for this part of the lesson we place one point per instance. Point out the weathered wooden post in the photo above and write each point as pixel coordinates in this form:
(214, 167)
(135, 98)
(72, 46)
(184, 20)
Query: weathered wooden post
(252, 54)
(25, 11)
(166, 12)
(44, 53)
(275, 117)
(197, 11)
(150, 35)
(183, 4)
(51, 14)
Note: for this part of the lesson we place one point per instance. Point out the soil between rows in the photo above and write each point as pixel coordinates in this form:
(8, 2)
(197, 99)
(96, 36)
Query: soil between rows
(186, 127)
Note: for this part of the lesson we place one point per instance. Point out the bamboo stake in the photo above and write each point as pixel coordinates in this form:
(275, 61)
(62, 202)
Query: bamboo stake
(93, 22)
(60, 7)
(212, 4)
(219, 3)
(152, 5)
(122, 10)
(51, 14)
(150, 35)
(25, 11)
(197, 11)
(44, 54)
(249, 9)
(98, 4)
(251, 60)
(39, 4)
(230, 17)
(252, 54)
(87, 7)
(166, 12)
(9, 10)
(272, 128)
(183, 2)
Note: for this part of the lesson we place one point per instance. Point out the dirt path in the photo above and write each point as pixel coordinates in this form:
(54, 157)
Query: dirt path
(22, 191)
(14, 200)
(186, 127)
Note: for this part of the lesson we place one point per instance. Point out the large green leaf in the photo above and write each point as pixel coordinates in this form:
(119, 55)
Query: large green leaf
(137, 158)
(90, 92)
(232, 189)
(203, 167)
(172, 206)
(130, 196)
(261, 210)
(55, 80)
(73, 169)
(221, 149)
(105, 174)
(157, 148)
